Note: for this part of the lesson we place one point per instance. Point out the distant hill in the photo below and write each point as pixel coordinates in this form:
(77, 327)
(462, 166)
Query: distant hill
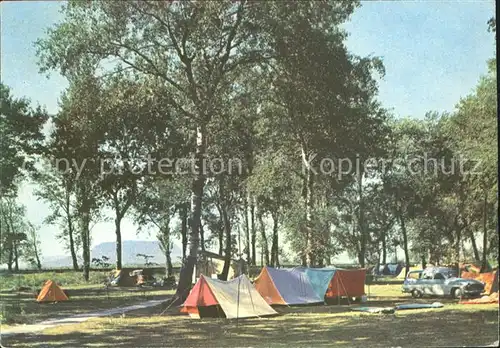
(130, 248)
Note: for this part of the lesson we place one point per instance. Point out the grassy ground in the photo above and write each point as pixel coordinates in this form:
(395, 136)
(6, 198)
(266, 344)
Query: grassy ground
(9, 282)
(453, 325)
(21, 308)
(18, 294)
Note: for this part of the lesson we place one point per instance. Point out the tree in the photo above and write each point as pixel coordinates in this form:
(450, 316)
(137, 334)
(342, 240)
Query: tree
(157, 207)
(476, 132)
(76, 141)
(32, 251)
(181, 45)
(13, 235)
(20, 138)
(310, 67)
(58, 189)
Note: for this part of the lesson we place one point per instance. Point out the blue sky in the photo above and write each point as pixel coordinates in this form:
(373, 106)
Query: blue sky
(434, 53)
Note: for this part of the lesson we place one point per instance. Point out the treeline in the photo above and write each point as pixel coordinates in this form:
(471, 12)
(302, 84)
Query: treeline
(250, 126)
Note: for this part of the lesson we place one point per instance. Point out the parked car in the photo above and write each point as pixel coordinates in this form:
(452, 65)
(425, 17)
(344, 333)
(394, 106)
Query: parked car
(441, 281)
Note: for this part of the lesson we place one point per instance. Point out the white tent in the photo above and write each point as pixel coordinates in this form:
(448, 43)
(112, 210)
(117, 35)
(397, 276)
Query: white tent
(236, 298)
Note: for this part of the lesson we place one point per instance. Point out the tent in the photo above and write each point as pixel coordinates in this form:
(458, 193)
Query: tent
(236, 298)
(393, 269)
(402, 274)
(319, 278)
(470, 267)
(123, 277)
(336, 282)
(347, 283)
(211, 263)
(490, 279)
(286, 287)
(51, 292)
(388, 269)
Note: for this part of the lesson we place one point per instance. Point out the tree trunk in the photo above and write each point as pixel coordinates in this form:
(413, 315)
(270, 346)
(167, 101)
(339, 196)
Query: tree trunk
(477, 257)
(10, 260)
(265, 247)
(458, 242)
(384, 248)
(308, 210)
(16, 256)
(424, 262)
(164, 239)
(186, 276)
(361, 224)
(221, 230)
(274, 246)
(85, 230)
(118, 232)
(35, 249)
(247, 230)
(202, 237)
(168, 256)
(69, 220)
(405, 243)
(484, 263)
(184, 229)
(253, 230)
(227, 251)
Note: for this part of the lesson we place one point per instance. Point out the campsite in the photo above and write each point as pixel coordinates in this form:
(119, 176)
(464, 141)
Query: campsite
(242, 173)
(229, 321)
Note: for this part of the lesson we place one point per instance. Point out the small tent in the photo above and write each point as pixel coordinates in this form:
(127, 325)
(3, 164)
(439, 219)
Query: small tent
(124, 277)
(286, 287)
(236, 298)
(51, 292)
(393, 269)
(211, 263)
(402, 274)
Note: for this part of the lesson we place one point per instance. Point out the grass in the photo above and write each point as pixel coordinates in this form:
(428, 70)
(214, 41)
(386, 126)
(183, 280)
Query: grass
(23, 309)
(385, 290)
(9, 282)
(453, 325)
(337, 325)
(19, 306)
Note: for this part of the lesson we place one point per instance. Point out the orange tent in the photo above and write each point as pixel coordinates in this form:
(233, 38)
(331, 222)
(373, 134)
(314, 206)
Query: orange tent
(493, 298)
(348, 283)
(487, 278)
(51, 292)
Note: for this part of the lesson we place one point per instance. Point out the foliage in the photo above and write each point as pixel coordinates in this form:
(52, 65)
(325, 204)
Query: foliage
(20, 138)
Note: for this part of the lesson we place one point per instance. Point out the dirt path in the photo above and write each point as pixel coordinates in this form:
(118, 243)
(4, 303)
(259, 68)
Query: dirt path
(79, 318)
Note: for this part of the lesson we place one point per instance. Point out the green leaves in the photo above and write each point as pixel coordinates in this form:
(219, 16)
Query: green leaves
(20, 138)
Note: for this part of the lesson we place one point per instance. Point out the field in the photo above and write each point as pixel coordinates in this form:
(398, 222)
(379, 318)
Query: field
(452, 325)
(20, 307)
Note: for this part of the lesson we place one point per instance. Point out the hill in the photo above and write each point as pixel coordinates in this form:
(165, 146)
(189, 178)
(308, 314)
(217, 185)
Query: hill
(130, 249)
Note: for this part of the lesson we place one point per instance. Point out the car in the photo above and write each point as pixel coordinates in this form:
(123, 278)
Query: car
(441, 281)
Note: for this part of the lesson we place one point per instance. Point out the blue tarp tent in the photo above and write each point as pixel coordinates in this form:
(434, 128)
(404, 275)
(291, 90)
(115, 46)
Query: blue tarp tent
(286, 286)
(319, 278)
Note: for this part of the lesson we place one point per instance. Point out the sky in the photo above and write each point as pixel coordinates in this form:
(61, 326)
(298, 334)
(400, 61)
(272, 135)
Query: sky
(434, 53)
